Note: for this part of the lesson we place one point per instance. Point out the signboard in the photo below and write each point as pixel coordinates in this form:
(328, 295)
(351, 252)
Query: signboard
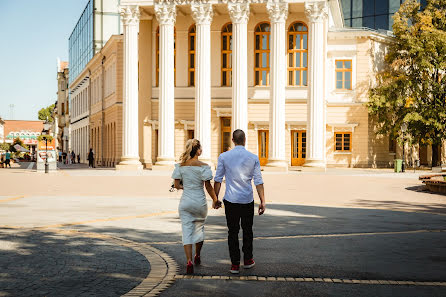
(43, 146)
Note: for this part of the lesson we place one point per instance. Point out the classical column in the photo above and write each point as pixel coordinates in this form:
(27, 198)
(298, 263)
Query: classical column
(317, 13)
(278, 12)
(130, 147)
(166, 14)
(239, 13)
(202, 14)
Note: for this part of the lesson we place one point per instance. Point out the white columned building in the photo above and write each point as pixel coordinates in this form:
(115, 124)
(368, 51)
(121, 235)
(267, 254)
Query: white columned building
(317, 13)
(166, 14)
(130, 154)
(278, 12)
(202, 14)
(239, 14)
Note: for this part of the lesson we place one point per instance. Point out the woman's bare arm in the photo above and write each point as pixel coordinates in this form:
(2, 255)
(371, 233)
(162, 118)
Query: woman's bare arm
(177, 185)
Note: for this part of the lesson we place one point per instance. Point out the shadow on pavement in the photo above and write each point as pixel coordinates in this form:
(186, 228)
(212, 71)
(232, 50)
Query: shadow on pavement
(36, 263)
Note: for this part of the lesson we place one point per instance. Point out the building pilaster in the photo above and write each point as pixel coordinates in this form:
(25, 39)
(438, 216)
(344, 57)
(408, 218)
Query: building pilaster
(239, 13)
(130, 148)
(166, 14)
(278, 13)
(202, 14)
(317, 13)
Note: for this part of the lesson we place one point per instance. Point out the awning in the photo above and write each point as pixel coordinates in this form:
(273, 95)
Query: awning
(20, 148)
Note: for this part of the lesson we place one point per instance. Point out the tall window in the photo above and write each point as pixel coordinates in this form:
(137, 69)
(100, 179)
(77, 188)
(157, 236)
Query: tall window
(158, 56)
(262, 50)
(297, 54)
(226, 55)
(191, 69)
(343, 74)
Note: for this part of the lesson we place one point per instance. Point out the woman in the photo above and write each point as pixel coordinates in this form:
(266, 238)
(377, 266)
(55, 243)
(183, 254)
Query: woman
(190, 175)
(90, 159)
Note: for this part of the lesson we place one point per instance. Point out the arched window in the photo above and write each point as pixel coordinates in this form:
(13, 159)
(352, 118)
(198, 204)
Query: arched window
(298, 54)
(158, 56)
(191, 69)
(262, 50)
(226, 55)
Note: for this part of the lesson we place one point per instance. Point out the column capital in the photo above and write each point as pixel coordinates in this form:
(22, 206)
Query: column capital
(166, 13)
(130, 14)
(316, 11)
(202, 13)
(277, 11)
(238, 11)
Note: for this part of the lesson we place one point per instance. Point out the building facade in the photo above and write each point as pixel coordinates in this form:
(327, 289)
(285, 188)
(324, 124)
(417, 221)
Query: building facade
(106, 102)
(62, 116)
(373, 14)
(289, 73)
(98, 22)
(27, 131)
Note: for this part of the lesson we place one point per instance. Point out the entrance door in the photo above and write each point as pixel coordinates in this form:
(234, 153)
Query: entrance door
(225, 134)
(298, 147)
(422, 154)
(263, 146)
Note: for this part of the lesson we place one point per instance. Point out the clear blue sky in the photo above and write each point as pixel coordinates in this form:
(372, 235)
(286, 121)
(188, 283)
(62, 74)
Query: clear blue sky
(34, 33)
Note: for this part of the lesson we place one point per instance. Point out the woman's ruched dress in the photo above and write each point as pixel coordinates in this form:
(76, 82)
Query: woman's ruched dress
(193, 206)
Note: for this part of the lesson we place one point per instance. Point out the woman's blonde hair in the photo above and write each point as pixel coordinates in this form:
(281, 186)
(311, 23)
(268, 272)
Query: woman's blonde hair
(192, 146)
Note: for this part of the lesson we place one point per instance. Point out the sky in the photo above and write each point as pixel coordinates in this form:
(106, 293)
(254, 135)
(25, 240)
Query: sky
(34, 33)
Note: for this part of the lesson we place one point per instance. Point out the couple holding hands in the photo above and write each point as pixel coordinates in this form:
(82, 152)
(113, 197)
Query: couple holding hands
(239, 167)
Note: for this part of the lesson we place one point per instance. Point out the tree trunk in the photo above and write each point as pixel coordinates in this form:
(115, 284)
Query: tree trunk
(435, 155)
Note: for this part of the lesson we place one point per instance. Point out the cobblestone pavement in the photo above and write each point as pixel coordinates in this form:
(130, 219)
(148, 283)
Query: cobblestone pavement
(80, 232)
(38, 263)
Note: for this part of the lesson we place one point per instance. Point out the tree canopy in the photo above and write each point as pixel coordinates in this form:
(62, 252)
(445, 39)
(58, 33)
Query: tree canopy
(412, 87)
(46, 113)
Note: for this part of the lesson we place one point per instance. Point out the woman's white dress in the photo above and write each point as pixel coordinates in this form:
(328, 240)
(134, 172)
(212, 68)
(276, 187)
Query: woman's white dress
(193, 206)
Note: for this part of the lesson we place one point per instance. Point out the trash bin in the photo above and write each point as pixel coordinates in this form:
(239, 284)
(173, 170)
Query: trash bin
(398, 165)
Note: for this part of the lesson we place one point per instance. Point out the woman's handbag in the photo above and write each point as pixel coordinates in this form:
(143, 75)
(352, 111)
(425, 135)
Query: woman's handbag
(172, 187)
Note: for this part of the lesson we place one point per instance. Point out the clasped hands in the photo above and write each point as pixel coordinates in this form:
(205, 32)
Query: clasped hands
(216, 204)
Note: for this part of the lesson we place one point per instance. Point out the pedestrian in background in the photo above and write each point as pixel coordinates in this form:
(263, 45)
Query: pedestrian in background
(78, 158)
(91, 159)
(8, 159)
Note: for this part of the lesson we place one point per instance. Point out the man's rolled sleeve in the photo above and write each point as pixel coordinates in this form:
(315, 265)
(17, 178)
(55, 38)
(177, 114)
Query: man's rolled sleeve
(258, 180)
(220, 172)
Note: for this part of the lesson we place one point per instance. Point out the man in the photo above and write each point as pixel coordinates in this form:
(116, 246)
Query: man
(240, 167)
(8, 159)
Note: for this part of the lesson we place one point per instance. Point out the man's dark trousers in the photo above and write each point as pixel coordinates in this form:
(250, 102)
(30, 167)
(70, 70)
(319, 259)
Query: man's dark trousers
(236, 212)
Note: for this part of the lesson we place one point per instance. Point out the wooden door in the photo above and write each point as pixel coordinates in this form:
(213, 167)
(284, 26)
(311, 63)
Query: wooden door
(422, 155)
(225, 134)
(298, 147)
(263, 146)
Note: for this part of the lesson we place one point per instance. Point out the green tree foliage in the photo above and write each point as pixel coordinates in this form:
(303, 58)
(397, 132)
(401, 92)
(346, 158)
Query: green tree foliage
(412, 87)
(5, 146)
(45, 113)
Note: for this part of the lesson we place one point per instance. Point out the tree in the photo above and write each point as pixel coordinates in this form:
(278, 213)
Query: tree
(46, 113)
(19, 142)
(5, 146)
(412, 87)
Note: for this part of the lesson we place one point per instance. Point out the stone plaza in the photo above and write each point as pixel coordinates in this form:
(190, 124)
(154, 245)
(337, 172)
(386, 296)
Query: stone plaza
(101, 232)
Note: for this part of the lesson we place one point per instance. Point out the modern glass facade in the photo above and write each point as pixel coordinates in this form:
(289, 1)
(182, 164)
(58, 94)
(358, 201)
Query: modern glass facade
(373, 14)
(81, 42)
(98, 22)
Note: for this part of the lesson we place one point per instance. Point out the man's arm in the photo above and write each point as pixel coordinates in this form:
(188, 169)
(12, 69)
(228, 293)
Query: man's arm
(258, 181)
(219, 173)
(261, 192)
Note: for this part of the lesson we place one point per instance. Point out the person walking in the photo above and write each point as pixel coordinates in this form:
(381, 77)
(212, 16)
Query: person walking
(91, 159)
(8, 159)
(240, 167)
(189, 176)
(78, 158)
(73, 157)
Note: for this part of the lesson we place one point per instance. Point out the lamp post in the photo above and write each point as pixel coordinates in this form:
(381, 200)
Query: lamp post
(403, 129)
(46, 128)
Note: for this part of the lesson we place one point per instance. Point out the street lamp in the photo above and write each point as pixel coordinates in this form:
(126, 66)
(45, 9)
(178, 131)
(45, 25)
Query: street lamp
(403, 129)
(46, 128)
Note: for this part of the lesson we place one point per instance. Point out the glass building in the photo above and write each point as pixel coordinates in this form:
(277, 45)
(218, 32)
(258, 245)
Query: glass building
(99, 20)
(373, 14)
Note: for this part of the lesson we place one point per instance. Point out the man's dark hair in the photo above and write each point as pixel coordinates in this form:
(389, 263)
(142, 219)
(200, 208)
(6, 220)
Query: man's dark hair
(239, 137)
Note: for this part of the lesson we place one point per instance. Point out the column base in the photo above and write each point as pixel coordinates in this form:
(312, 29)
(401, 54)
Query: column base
(130, 164)
(315, 163)
(276, 165)
(164, 163)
